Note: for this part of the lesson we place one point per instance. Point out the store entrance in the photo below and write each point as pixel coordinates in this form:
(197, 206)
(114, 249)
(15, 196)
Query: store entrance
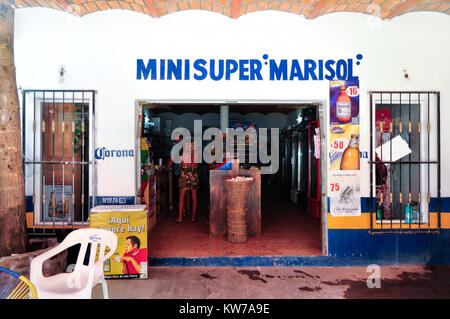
(290, 201)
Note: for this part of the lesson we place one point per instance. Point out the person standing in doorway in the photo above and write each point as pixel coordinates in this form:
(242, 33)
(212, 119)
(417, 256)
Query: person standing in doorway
(188, 180)
(178, 181)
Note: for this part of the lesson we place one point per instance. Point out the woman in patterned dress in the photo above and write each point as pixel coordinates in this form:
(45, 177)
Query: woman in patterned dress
(189, 171)
(189, 180)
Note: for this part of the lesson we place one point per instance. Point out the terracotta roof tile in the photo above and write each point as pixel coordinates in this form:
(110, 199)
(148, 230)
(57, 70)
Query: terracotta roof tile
(386, 9)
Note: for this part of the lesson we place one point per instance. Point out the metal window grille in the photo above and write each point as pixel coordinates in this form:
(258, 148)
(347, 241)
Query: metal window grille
(405, 185)
(58, 140)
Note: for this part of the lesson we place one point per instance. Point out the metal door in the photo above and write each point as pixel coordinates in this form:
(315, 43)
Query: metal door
(314, 171)
(294, 167)
(58, 149)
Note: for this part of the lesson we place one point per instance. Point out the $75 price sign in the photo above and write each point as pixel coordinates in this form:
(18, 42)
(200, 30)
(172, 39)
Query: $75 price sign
(334, 187)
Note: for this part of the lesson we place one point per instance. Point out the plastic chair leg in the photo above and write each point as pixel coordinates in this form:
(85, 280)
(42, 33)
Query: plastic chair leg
(105, 289)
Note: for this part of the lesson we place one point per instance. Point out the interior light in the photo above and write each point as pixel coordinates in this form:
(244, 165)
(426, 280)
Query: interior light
(299, 119)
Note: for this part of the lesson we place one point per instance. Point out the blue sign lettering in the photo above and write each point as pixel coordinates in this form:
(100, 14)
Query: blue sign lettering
(247, 69)
(102, 153)
(278, 71)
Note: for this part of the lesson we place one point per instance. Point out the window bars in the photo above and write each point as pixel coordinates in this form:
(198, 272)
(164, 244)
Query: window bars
(405, 179)
(59, 170)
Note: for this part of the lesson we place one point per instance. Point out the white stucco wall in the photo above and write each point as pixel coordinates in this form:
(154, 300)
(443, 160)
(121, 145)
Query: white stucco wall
(99, 52)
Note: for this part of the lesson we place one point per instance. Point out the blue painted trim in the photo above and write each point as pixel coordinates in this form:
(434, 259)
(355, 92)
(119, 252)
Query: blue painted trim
(269, 261)
(445, 204)
(29, 206)
(415, 248)
(253, 261)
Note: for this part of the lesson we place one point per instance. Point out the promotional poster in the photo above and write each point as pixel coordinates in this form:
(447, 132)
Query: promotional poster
(344, 102)
(58, 202)
(344, 190)
(340, 143)
(344, 149)
(129, 223)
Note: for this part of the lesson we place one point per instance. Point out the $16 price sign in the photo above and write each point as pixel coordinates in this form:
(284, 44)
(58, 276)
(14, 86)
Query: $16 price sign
(352, 91)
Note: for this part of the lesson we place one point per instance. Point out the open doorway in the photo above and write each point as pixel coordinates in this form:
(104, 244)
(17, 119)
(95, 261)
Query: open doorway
(291, 203)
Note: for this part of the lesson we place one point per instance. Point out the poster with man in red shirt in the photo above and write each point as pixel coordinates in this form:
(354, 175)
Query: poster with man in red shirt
(134, 257)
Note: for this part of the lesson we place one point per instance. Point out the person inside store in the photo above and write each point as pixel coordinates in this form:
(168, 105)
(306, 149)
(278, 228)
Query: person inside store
(176, 174)
(188, 180)
(134, 255)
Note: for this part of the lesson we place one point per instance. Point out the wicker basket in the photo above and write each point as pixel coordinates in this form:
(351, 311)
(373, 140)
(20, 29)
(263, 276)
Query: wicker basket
(237, 195)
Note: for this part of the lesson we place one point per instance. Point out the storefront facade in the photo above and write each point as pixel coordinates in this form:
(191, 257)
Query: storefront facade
(119, 55)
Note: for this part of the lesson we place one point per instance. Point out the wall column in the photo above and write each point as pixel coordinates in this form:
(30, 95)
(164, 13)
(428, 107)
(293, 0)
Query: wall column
(224, 115)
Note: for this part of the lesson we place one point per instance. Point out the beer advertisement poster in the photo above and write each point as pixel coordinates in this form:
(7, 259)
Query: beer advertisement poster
(129, 223)
(344, 147)
(344, 102)
(344, 154)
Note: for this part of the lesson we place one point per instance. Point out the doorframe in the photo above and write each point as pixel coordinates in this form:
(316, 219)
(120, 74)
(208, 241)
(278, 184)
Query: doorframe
(37, 98)
(323, 106)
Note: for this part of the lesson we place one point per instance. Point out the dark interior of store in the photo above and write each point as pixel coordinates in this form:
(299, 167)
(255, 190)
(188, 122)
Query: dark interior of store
(289, 199)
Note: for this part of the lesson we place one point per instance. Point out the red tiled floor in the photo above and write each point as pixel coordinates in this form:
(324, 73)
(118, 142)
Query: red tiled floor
(286, 231)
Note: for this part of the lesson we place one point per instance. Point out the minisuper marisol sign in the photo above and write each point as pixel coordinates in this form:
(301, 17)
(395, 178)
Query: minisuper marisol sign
(247, 69)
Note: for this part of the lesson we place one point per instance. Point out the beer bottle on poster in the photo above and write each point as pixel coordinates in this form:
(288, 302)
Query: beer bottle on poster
(350, 157)
(343, 106)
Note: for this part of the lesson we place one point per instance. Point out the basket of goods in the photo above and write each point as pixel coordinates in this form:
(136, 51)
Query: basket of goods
(237, 191)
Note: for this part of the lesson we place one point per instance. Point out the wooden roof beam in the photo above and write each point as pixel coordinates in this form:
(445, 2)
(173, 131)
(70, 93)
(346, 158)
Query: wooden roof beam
(317, 9)
(400, 8)
(69, 8)
(235, 8)
(152, 8)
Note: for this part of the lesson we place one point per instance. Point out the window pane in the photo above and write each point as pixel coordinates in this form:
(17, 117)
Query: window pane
(400, 175)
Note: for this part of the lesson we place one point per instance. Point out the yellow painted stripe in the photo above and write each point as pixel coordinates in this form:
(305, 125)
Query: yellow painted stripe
(445, 220)
(349, 222)
(363, 222)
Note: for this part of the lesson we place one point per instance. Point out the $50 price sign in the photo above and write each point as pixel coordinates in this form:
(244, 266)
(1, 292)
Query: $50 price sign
(339, 144)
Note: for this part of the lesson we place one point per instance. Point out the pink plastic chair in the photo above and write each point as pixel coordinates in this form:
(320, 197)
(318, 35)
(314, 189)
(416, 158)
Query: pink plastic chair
(79, 283)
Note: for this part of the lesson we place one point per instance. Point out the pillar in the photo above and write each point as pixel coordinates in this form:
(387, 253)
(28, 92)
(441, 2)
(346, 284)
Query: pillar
(224, 111)
(13, 236)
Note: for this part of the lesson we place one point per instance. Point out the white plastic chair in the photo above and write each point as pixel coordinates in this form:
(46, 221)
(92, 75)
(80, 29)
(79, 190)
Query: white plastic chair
(79, 283)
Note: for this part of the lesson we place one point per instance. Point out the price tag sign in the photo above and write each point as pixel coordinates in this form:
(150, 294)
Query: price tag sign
(334, 187)
(339, 144)
(352, 91)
